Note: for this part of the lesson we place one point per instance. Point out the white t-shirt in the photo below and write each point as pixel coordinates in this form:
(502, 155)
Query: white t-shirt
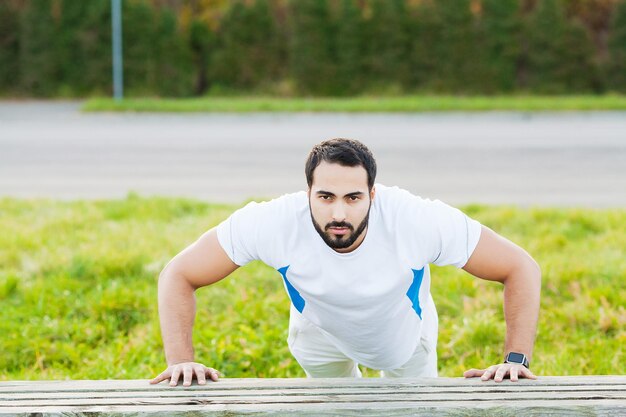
(373, 303)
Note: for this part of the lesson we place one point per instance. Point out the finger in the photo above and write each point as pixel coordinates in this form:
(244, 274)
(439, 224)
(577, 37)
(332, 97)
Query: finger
(501, 373)
(187, 375)
(527, 374)
(213, 374)
(200, 374)
(470, 373)
(489, 373)
(175, 376)
(161, 377)
(514, 371)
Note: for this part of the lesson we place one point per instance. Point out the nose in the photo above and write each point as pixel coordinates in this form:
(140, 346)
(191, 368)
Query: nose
(339, 212)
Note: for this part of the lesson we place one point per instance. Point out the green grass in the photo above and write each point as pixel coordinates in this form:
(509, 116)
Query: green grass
(362, 104)
(78, 293)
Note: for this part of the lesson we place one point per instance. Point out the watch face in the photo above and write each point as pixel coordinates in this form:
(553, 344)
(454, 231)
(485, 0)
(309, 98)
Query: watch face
(515, 357)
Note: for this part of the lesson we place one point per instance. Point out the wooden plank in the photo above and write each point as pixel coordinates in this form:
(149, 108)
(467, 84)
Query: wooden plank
(603, 395)
(267, 383)
(381, 389)
(180, 392)
(317, 398)
(543, 408)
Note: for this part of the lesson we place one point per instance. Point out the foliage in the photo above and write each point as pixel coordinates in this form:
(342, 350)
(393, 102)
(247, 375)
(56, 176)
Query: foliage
(9, 46)
(457, 48)
(139, 32)
(314, 47)
(389, 43)
(311, 48)
(38, 66)
(559, 51)
(173, 63)
(617, 46)
(201, 40)
(499, 45)
(247, 53)
(78, 293)
(84, 47)
(351, 44)
(424, 54)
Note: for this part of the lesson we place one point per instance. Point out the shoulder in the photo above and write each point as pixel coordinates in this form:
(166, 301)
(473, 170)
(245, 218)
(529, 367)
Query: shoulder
(279, 209)
(398, 205)
(441, 233)
(395, 199)
(259, 230)
(285, 201)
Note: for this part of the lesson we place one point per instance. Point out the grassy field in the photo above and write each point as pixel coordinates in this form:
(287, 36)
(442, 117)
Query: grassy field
(362, 104)
(78, 293)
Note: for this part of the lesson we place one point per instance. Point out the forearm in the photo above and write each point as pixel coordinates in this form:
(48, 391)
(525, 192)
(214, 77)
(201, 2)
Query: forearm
(522, 291)
(177, 310)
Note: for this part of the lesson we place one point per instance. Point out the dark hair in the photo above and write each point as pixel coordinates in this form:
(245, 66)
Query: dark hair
(346, 152)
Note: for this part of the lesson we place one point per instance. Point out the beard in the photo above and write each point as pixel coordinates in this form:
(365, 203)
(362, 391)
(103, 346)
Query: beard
(341, 241)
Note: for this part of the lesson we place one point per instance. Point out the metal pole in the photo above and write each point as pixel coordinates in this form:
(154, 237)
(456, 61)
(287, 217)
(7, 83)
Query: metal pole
(118, 71)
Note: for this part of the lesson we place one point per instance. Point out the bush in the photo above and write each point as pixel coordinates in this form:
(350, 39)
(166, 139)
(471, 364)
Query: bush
(315, 47)
(617, 48)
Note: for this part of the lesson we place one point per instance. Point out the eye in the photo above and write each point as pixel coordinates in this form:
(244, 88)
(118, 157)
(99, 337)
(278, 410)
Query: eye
(354, 198)
(325, 197)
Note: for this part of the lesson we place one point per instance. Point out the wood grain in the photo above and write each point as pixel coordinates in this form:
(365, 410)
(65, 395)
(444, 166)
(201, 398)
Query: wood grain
(576, 396)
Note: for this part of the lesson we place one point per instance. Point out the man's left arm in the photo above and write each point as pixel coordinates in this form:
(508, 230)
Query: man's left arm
(498, 259)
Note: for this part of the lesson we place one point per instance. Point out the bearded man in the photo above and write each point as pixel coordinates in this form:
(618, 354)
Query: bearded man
(354, 258)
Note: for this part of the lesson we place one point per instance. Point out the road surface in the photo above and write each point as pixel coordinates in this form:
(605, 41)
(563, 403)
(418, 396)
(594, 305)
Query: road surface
(51, 149)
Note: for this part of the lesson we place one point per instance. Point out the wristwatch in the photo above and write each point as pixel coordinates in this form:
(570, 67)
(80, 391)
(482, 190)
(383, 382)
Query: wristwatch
(515, 357)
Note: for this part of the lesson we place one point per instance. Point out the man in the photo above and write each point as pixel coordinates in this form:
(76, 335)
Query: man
(354, 259)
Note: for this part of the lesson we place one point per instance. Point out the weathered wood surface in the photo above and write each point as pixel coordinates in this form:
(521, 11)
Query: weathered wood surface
(583, 396)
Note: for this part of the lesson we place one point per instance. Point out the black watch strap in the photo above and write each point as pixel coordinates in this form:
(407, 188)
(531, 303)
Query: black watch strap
(516, 357)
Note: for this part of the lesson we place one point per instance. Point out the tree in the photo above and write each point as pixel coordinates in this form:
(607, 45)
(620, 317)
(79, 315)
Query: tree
(95, 42)
(577, 71)
(457, 55)
(139, 34)
(269, 52)
(83, 47)
(350, 77)
(425, 28)
(311, 49)
(500, 26)
(617, 49)
(39, 69)
(559, 52)
(389, 43)
(174, 73)
(246, 52)
(201, 40)
(9, 46)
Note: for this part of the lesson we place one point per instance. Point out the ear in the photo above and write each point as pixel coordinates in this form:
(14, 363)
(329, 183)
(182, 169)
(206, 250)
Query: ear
(373, 193)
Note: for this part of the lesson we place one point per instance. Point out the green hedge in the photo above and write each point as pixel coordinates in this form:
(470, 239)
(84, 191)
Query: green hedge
(316, 47)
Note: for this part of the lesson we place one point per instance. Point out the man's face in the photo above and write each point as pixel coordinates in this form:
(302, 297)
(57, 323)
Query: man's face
(340, 201)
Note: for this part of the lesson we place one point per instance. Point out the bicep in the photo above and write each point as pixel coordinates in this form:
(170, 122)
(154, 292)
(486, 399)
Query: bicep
(495, 257)
(204, 262)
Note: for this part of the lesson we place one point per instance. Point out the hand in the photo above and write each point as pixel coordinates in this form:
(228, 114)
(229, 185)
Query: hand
(498, 372)
(188, 370)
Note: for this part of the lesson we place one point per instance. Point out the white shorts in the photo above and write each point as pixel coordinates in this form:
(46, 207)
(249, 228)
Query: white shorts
(321, 359)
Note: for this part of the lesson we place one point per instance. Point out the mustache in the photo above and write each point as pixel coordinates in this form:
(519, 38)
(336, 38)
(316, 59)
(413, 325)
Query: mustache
(339, 224)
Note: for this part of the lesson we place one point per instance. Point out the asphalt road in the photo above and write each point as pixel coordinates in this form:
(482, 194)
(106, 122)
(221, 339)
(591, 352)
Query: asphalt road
(556, 159)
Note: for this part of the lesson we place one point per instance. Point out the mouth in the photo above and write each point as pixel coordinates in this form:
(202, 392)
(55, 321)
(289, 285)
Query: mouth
(340, 231)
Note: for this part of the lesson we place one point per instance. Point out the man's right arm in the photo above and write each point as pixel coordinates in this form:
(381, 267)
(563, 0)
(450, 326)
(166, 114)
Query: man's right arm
(202, 263)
